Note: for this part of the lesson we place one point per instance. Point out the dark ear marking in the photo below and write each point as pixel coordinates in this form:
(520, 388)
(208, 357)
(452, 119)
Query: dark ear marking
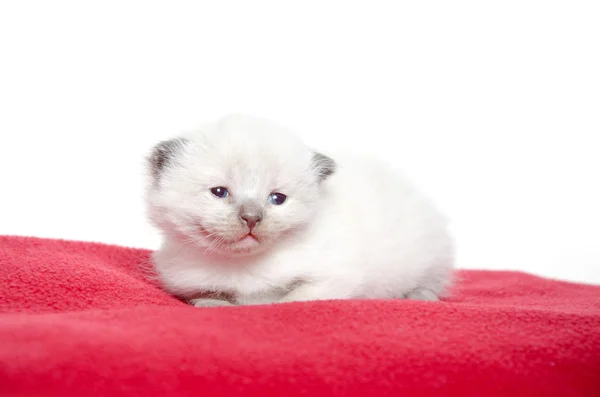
(325, 166)
(164, 153)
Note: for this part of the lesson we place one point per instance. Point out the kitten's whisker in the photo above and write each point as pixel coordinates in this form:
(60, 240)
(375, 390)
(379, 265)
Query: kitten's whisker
(215, 244)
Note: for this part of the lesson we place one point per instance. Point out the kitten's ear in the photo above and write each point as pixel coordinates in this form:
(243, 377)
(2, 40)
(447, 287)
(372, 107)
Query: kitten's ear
(323, 165)
(164, 153)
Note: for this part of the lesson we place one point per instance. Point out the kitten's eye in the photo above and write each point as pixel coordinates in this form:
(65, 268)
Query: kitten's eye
(220, 191)
(277, 198)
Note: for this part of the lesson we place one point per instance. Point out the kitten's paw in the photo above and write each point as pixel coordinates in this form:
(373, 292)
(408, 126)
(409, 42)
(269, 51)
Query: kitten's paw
(209, 302)
(422, 294)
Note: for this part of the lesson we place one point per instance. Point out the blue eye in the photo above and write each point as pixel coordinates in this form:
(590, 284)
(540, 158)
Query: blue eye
(220, 191)
(277, 198)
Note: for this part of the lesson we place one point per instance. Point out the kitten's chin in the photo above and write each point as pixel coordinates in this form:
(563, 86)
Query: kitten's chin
(247, 243)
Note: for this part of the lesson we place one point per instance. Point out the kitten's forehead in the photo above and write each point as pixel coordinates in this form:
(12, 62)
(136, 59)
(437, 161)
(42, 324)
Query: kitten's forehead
(252, 153)
(263, 168)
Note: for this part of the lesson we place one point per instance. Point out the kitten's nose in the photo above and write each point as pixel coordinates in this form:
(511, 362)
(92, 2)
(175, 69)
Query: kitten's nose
(251, 220)
(251, 214)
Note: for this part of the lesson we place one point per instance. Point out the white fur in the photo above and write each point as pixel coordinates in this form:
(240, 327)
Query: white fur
(364, 232)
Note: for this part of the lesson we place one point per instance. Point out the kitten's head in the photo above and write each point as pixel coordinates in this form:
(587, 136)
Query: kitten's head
(236, 186)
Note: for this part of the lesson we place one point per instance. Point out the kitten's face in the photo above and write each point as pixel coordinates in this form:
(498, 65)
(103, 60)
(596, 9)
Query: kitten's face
(236, 188)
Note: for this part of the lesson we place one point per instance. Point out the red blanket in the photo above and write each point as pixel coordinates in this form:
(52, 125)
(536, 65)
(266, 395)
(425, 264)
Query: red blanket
(80, 319)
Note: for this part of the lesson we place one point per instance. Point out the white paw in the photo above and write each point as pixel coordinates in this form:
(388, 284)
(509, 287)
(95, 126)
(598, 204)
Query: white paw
(209, 302)
(422, 294)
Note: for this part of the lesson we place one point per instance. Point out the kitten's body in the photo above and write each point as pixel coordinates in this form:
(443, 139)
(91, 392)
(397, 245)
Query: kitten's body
(362, 231)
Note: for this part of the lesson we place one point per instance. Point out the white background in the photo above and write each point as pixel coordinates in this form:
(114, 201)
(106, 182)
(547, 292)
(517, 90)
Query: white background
(492, 107)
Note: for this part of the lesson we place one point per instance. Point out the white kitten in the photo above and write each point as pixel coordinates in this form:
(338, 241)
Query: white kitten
(251, 215)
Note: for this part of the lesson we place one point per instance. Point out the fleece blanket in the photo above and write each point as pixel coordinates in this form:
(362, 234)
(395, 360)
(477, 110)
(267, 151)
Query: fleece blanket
(82, 319)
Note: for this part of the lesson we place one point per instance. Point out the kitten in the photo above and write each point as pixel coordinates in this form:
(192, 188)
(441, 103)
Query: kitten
(251, 215)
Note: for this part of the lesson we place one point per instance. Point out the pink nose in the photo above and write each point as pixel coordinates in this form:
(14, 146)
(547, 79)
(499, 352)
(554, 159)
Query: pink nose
(251, 220)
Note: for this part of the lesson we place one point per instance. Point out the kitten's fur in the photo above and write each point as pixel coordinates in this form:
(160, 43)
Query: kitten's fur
(350, 227)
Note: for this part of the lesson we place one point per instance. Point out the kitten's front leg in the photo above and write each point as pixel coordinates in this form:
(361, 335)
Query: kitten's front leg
(422, 294)
(312, 291)
(201, 302)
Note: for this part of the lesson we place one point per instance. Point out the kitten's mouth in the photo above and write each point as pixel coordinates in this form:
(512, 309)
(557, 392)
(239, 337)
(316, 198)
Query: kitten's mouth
(249, 237)
(245, 243)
